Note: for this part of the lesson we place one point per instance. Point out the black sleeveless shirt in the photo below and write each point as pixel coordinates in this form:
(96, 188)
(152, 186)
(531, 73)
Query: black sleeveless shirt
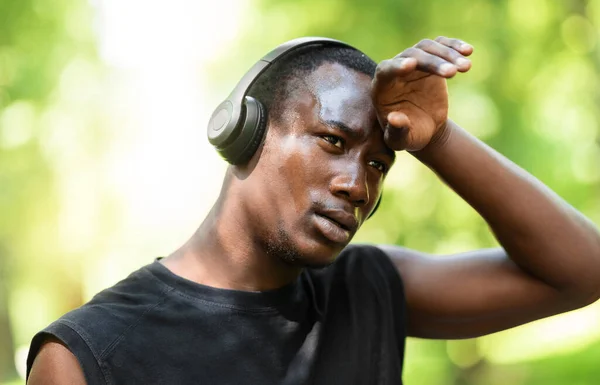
(343, 324)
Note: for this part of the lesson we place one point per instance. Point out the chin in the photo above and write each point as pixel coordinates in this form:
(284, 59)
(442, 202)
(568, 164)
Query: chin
(304, 247)
(318, 254)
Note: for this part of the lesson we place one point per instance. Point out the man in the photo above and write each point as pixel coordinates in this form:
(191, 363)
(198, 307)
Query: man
(267, 291)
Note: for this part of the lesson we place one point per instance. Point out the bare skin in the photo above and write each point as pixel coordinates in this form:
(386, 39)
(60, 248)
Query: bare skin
(328, 157)
(55, 364)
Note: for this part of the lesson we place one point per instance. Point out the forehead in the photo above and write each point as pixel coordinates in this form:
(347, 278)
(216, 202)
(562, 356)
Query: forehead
(343, 95)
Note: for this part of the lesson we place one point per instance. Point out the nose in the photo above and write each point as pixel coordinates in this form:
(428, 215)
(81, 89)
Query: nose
(351, 184)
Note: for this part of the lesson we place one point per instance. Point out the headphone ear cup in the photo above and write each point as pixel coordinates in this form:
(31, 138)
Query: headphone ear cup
(253, 124)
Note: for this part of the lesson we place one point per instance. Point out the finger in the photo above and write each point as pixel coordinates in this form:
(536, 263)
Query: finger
(450, 54)
(464, 48)
(398, 119)
(393, 67)
(427, 62)
(395, 133)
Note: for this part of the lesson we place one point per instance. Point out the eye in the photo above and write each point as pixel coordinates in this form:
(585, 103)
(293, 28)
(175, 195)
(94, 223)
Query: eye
(335, 140)
(382, 167)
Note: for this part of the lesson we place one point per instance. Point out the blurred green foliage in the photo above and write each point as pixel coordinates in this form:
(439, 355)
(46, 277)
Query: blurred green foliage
(38, 39)
(533, 94)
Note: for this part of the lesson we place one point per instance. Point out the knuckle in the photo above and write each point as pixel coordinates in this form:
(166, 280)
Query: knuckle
(383, 66)
(440, 39)
(453, 54)
(424, 43)
(412, 51)
(457, 43)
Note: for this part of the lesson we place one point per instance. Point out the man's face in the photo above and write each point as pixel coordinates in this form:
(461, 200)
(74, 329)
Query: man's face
(320, 173)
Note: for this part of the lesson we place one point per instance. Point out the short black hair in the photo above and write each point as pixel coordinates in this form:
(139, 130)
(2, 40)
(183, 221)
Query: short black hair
(272, 88)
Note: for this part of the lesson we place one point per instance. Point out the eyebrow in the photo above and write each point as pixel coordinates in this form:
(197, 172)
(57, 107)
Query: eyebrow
(342, 127)
(353, 133)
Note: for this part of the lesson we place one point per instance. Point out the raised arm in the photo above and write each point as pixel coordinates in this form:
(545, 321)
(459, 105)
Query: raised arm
(550, 257)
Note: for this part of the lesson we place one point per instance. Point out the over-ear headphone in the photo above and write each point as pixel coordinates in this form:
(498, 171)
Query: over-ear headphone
(237, 126)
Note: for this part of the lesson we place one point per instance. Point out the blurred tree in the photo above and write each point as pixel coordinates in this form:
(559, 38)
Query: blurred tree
(7, 367)
(37, 41)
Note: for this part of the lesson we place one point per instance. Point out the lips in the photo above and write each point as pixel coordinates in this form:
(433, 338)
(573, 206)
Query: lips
(341, 218)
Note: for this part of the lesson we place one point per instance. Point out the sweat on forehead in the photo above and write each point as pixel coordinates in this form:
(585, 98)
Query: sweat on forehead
(280, 80)
(342, 94)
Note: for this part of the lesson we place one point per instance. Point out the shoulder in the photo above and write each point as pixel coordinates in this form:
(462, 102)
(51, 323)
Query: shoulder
(362, 277)
(361, 265)
(366, 258)
(91, 331)
(109, 313)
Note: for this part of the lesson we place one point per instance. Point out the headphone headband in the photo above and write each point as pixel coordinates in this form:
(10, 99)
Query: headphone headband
(223, 127)
(253, 73)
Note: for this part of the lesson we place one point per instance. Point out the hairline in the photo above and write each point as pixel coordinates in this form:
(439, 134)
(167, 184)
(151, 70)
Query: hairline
(274, 87)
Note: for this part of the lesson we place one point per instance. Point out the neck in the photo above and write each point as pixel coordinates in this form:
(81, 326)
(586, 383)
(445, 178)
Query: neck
(224, 253)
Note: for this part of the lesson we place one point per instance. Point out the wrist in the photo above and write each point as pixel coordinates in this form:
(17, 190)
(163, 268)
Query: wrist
(438, 142)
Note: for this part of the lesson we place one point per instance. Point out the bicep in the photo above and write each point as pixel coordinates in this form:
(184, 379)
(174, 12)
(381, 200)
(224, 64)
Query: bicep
(470, 294)
(55, 364)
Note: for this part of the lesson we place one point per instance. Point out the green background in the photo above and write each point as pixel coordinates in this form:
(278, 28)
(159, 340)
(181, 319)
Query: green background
(533, 94)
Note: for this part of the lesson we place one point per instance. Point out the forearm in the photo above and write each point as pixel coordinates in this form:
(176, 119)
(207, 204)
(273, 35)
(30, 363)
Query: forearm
(540, 232)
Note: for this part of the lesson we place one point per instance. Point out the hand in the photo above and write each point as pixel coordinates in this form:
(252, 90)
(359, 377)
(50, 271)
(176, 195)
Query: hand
(410, 94)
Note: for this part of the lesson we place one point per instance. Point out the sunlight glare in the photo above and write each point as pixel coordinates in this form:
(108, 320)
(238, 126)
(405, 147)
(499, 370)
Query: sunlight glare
(160, 166)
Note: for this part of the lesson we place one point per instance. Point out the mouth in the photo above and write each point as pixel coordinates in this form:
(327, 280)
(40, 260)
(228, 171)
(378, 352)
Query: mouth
(332, 229)
(341, 225)
(340, 218)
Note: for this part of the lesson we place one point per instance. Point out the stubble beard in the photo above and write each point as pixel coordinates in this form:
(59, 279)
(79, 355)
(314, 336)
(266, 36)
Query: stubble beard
(282, 247)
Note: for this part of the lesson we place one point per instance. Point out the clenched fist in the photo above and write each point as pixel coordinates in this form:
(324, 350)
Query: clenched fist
(410, 94)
